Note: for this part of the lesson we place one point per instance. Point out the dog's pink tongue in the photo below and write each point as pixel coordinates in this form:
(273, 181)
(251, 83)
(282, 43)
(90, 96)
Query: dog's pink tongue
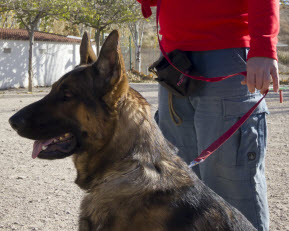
(37, 146)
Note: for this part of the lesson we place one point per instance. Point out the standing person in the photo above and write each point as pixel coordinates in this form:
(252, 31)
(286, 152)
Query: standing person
(224, 37)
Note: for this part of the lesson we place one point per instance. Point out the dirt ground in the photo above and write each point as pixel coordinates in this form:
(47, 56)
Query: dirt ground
(41, 195)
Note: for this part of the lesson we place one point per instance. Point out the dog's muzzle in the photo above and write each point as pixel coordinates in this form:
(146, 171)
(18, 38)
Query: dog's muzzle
(17, 122)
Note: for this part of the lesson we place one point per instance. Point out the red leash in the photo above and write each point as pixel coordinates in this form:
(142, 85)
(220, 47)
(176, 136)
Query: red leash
(222, 139)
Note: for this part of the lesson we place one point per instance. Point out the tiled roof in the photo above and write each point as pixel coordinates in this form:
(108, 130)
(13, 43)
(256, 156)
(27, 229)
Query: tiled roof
(20, 34)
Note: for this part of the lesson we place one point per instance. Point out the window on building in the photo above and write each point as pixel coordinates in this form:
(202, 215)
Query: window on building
(7, 50)
(42, 51)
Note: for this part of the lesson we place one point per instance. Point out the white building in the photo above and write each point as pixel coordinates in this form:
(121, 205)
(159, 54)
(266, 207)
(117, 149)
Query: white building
(53, 56)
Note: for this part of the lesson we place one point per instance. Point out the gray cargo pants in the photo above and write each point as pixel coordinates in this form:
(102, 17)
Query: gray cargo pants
(236, 170)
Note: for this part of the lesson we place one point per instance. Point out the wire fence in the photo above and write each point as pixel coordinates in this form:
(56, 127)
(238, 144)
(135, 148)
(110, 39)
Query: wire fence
(148, 56)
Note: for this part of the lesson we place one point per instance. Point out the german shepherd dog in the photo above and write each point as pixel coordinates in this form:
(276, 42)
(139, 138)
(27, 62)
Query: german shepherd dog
(133, 179)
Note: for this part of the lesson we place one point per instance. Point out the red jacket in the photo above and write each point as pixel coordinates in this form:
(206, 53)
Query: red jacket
(199, 25)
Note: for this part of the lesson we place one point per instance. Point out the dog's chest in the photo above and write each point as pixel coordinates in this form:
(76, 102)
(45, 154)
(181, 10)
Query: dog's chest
(114, 216)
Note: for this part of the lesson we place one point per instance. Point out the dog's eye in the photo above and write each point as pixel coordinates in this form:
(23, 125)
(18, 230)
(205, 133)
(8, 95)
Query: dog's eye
(67, 95)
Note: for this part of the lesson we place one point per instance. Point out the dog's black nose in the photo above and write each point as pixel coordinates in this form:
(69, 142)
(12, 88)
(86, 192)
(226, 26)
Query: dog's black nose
(17, 122)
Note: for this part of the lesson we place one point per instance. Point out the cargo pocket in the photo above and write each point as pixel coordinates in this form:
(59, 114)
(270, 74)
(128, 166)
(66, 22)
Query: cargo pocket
(247, 145)
(252, 141)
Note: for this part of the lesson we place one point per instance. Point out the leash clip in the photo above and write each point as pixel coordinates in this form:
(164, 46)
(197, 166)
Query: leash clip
(194, 163)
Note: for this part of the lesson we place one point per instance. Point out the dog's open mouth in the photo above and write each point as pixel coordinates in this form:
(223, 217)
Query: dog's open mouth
(55, 148)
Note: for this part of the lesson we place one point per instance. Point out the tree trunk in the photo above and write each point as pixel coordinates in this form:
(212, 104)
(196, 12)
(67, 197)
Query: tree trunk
(97, 41)
(5, 21)
(30, 67)
(81, 29)
(138, 57)
(138, 30)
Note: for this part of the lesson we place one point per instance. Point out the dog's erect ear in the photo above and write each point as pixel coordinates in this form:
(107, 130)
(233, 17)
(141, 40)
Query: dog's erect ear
(108, 62)
(87, 55)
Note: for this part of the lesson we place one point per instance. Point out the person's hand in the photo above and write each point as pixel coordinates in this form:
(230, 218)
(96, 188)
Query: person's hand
(259, 72)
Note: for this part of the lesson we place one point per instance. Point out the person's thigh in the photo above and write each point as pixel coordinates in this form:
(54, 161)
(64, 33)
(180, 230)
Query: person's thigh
(236, 170)
(182, 136)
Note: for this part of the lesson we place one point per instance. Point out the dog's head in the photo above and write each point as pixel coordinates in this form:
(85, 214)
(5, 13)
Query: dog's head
(73, 116)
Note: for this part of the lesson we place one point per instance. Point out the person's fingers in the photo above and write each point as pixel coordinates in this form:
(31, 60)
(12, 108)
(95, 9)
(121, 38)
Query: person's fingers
(259, 80)
(251, 80)
(266, 81)
(259, 72)
(275, 77)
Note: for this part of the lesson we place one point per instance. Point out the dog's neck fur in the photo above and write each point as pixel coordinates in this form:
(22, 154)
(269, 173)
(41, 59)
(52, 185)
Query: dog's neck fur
(134, 150)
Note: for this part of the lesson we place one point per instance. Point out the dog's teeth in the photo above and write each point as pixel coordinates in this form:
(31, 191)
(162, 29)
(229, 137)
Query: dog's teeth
(44, 147)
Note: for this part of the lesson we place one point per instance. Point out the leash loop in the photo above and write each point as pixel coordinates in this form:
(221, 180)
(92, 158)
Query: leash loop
(174, 116)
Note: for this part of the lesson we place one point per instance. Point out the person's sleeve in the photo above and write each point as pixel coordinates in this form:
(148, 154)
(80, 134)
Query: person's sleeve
(146, 7)
(263, 23)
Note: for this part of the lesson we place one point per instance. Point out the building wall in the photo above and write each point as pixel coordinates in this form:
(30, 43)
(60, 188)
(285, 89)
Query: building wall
(50, 61)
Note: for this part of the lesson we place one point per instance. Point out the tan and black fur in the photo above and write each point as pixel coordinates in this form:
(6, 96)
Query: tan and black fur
(133, 178)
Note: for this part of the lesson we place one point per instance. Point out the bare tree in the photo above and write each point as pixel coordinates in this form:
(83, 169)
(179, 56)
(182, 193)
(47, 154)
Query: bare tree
(137, 29)
(101, 14)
